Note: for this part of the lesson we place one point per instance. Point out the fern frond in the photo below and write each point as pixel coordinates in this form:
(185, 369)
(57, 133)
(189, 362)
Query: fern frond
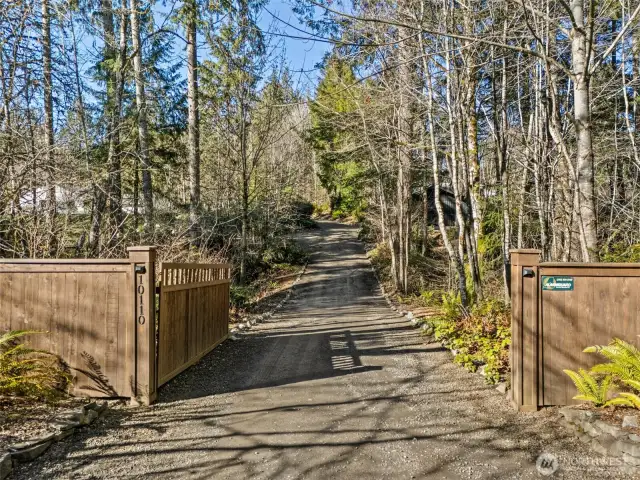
(9, 337)
(27, 371)
(589, 388)
(635, 384)
(584, 398)
(633, 399)
(578, 381)
(618, 402)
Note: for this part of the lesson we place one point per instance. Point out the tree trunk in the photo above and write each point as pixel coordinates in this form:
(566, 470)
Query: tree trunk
(245, 195)
(583, 127)
(425, 189)
(406, 121)
(194, 121)
(143, 133)
(48, 125)
(435, 163)
(100, 183)
(115, 162)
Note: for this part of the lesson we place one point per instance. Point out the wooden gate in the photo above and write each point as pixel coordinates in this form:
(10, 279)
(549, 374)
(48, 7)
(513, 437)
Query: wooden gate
(93, 314)
(558, 309)
(194, 314)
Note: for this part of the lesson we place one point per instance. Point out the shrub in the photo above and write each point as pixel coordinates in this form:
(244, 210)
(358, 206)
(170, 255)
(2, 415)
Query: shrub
(622, 370)
(591, 388)
(302, 213)
(481, 336)
(321, 208)
(240, 296)
(285, 252)
(431, 298)
(28, 372)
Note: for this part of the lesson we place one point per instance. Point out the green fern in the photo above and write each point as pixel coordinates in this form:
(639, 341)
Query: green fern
(623, 370)
(29, 372)
(624, 362)
(592, 389)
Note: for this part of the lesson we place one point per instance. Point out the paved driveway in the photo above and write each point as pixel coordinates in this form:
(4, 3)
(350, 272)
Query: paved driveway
(336, 386)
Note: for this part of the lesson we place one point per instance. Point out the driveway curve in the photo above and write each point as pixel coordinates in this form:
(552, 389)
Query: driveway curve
(335, 386)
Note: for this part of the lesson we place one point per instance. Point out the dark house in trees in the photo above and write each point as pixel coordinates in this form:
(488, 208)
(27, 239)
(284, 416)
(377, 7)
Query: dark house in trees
(448, 205)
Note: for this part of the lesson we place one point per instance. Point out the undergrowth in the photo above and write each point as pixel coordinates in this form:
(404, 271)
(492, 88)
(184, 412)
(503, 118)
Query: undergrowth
(280, 259)
(622, 371)
(479, 336)
(28, 372)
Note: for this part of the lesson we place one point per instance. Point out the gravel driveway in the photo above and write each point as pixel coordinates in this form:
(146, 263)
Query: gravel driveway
(335, 386)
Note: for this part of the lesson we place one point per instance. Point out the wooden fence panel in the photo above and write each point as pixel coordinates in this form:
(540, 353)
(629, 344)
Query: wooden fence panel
(552, 326)
(86, 313)
(598, 309)
(194, 314)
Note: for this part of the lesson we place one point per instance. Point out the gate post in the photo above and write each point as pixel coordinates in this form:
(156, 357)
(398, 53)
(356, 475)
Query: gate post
(524, 329)
(144, 381)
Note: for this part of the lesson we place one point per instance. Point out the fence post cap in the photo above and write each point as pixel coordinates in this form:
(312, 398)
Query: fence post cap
(142, 253)
(142, 248)
(525, 256)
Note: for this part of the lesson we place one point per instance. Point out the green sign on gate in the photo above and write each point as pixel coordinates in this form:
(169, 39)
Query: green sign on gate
(557, 283)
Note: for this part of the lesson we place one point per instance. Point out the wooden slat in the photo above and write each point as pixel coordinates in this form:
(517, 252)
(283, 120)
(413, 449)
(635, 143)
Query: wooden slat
(193, 314)
(189, 286)
(88, 308)
(63, 268)
(599, 308)
(591, 272)
(192, 266)
(598, 266)
(168, 376)
(83, 308)
(64, 261)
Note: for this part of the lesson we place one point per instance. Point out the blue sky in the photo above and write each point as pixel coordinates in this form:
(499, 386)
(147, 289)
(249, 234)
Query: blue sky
(302, 55)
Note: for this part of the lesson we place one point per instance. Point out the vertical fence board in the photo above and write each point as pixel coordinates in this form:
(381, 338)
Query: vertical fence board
(83, 307)
(194, 314)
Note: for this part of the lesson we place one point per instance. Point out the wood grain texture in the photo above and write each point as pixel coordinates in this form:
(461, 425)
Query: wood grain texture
(82, 310)
(598, 309)
(194, 314)
(551, 328)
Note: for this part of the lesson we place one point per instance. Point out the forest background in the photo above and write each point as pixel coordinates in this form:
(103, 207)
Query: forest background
(452, 131)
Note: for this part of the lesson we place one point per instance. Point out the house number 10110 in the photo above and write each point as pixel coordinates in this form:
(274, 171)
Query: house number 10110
(141, 318)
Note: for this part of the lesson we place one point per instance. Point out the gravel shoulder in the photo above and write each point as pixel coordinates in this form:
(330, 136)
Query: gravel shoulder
(336, 385)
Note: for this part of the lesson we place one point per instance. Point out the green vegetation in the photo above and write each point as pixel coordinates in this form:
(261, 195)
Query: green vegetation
(340, 172)
(282, 258)
(591, 388)
(480, 336)
(622, 371)
(27, 372)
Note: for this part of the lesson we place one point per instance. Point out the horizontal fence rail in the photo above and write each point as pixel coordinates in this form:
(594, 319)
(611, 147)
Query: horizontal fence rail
(182, 276)
(194, 314)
